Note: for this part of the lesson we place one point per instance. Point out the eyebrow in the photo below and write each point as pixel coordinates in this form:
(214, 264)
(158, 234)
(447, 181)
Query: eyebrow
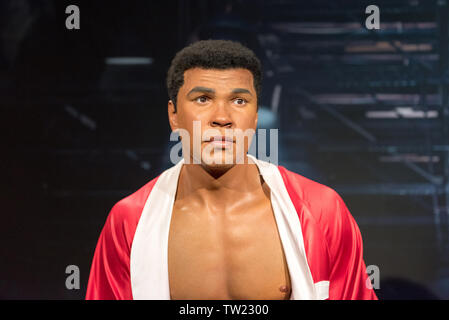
(201, 89)
(241, 90)
(210, 90)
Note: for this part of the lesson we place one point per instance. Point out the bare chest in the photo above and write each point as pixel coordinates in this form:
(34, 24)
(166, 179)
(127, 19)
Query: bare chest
(231, 254)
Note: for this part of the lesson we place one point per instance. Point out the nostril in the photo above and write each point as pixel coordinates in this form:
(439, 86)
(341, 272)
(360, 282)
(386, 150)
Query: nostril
(218, 124)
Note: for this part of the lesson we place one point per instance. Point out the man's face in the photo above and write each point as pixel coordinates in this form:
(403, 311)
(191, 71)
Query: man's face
(224, 104)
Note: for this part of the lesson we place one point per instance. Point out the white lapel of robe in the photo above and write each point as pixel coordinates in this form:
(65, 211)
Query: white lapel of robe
(149, 251)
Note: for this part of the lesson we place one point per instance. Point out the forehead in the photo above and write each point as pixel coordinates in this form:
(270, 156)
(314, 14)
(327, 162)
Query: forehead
(217, 78)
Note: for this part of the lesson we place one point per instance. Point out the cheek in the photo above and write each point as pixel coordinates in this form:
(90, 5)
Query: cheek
(194, 126)
(186, 120)
(249, 122)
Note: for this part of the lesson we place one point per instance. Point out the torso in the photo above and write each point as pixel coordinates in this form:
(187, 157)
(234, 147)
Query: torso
(226, 252)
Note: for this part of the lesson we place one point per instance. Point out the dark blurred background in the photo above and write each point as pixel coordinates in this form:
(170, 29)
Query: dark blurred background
(84, 122)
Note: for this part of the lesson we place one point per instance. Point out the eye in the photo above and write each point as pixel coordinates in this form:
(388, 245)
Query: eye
(202, 99)
(240, 101)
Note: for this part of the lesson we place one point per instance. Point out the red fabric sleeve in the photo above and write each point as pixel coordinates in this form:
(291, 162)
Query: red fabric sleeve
(109, 277)
(346, 270)
(348, 276)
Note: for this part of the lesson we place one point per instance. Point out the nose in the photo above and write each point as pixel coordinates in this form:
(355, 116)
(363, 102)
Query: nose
(221, 117)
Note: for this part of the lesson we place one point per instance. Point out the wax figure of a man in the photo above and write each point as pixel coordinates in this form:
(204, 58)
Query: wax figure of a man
(213, 229)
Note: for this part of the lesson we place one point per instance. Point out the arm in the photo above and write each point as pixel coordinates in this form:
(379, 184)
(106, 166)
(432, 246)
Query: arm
(348, 277)
(109, 275)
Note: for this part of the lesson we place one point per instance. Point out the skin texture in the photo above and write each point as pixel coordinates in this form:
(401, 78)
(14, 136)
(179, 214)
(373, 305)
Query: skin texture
(223, 240)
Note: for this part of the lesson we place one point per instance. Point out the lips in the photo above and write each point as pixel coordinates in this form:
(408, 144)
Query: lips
(221, 139)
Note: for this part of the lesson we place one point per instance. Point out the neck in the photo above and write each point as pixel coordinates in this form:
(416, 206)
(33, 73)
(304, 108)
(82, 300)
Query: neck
(220, 181)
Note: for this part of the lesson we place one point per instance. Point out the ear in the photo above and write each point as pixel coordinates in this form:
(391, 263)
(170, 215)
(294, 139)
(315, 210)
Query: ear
(255, 120)
(172, 116)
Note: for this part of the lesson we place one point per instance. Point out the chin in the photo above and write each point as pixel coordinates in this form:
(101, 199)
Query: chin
(218, 162)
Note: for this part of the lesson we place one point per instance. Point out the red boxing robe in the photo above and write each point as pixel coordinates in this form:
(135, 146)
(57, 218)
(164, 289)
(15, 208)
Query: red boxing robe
(321, 240)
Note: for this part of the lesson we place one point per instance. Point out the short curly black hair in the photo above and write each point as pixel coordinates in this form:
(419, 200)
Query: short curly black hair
(212, 54)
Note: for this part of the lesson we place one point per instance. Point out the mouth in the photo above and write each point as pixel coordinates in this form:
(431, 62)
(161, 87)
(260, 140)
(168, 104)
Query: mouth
(221, 141)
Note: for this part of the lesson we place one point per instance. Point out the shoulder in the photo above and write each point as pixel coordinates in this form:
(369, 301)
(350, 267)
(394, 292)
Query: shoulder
(125, 214)
(319, 198)
(325, 206)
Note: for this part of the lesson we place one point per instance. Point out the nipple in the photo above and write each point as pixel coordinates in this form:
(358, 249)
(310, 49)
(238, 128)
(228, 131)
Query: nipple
(283, 289)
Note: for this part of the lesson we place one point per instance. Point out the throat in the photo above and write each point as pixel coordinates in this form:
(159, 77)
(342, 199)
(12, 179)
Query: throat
(240, 179)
